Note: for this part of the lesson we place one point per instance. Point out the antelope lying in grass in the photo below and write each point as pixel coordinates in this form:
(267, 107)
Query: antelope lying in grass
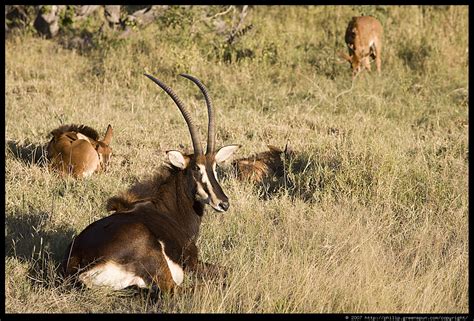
(364, 39)
(150, 239)
(263, 165)
(77, 150)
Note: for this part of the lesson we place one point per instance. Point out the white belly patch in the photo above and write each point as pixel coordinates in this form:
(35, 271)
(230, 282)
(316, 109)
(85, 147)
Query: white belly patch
(112, 275)
(176, 270)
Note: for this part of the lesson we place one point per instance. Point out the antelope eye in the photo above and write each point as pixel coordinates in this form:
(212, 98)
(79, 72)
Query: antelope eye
(195, 168)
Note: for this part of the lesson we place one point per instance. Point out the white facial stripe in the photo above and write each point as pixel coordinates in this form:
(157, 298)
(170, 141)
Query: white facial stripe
(202, 170)
(214, 199)
(202, 193)
(210, 196)
(204, 181)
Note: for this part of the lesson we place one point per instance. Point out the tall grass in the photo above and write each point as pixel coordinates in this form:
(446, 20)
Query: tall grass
(373, 216)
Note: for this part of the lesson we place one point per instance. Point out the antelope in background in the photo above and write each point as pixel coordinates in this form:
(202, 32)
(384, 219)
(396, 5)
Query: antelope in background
(263, 165)
(150, 239)
(364, 39)
(77, 150)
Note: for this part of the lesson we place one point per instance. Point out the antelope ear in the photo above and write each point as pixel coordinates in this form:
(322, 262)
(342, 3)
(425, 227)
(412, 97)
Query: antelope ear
(288, 149)
(108, 135)
(225, 152)
(177, 159)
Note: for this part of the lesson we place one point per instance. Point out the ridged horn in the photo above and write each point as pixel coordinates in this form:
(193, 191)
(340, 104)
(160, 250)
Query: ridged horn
(211, 136)
(184, 111)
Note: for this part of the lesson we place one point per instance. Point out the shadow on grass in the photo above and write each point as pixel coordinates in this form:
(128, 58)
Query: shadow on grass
(294, 166)
(28, 153)
(30, 238)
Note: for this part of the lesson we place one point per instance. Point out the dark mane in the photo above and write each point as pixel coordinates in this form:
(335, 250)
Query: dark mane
(148, 186)
(143, 190)
(86, 130)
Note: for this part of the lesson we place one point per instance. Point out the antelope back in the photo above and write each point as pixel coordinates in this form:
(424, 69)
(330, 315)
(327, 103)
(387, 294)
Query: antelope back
(262, 165)
(76, 150)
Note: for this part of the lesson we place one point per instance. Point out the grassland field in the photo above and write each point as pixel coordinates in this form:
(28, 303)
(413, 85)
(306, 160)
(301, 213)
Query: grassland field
(373, 219)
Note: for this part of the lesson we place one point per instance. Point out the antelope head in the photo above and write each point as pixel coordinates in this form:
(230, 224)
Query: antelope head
(103, 148)
(355, 61)
(199, 168)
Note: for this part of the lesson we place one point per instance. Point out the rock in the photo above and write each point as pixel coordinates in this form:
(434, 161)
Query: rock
(112, 14)
(47, 20)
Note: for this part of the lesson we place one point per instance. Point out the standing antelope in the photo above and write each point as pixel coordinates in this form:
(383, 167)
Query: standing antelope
(77, 150)
(363, 38)
(150, 239)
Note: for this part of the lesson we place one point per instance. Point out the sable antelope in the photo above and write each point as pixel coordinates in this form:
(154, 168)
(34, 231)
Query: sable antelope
(77, 150)
(364, 39)
(262, 165)
(150, 239)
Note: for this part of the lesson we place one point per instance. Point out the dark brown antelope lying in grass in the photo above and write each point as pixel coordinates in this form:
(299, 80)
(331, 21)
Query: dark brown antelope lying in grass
(263, 165)
(364, 39)
(77, 150)
(150, 239)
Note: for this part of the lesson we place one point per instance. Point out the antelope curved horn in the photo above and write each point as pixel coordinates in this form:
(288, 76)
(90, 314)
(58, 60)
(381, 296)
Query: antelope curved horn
(184, 111)
(211, 136)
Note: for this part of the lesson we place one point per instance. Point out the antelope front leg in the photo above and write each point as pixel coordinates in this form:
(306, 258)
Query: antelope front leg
(213, 271)
(207, 270)
(202, 269)
(367, 63)
(378, 60)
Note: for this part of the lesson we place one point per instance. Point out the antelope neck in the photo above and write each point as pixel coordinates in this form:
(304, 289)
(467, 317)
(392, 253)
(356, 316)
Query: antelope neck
(189, 210)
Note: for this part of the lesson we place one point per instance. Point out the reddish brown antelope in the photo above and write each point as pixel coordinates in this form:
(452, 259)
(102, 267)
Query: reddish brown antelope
(150, 239)
(77, 150)
(364, 39)
(263, 165)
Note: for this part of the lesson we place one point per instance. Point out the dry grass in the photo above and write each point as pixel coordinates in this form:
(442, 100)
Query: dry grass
(373, 216)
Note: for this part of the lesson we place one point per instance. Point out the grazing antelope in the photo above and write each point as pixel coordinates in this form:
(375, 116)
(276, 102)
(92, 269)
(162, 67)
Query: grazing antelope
(77, 150)
(364, 39)
(262, 165)
(150, 239)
